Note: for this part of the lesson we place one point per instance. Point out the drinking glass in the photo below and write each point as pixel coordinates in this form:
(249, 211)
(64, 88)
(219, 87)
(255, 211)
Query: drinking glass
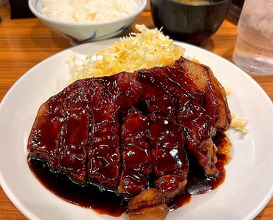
(253, 50)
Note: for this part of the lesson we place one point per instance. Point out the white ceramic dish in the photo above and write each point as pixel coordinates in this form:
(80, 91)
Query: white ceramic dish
(249, 176)
(80, 32)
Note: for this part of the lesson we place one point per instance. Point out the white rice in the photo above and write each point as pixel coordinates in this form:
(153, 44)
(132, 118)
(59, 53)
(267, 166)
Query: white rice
(88, 10)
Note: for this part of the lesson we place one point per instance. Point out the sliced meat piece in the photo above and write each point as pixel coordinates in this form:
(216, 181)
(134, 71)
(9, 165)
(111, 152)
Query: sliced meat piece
(103, 152)
(192, 116)
(161, 105)
(109, 96)
(215, 97)
(158, 93)
(121, 90)
(72, 157)
(45, 135)
(155, 83)
(149, 204)
(224, 120)
(169, 156)
(136, 155)
(167, 141)
(131, 182)
(177, 75)
(127, 90)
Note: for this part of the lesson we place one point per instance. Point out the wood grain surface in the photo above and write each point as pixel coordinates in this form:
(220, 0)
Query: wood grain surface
(26, 42)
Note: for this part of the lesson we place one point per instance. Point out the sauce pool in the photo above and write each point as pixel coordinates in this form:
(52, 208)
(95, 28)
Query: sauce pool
(107, 201)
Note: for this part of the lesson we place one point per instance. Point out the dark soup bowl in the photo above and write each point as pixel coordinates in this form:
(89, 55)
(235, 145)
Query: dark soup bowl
(192, 22)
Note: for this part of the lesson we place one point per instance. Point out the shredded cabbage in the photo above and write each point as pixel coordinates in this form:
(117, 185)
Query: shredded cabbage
(146, 49)
(239, 124)
(236, 123)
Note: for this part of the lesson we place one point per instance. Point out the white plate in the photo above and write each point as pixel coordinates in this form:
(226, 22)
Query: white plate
(248, 186)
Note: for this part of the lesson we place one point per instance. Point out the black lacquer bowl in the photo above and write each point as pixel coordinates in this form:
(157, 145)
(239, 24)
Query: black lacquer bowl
(192, 23)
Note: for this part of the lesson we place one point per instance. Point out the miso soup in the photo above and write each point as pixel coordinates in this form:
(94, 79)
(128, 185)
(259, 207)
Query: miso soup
(195, 2)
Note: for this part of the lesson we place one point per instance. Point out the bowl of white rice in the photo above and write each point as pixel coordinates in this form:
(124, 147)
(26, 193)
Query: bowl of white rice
(87, 20)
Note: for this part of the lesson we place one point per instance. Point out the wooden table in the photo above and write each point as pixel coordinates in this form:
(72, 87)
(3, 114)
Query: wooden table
(26, 42)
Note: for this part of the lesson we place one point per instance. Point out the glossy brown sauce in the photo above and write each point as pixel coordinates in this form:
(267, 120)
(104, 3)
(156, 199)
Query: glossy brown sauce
(109, 202)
